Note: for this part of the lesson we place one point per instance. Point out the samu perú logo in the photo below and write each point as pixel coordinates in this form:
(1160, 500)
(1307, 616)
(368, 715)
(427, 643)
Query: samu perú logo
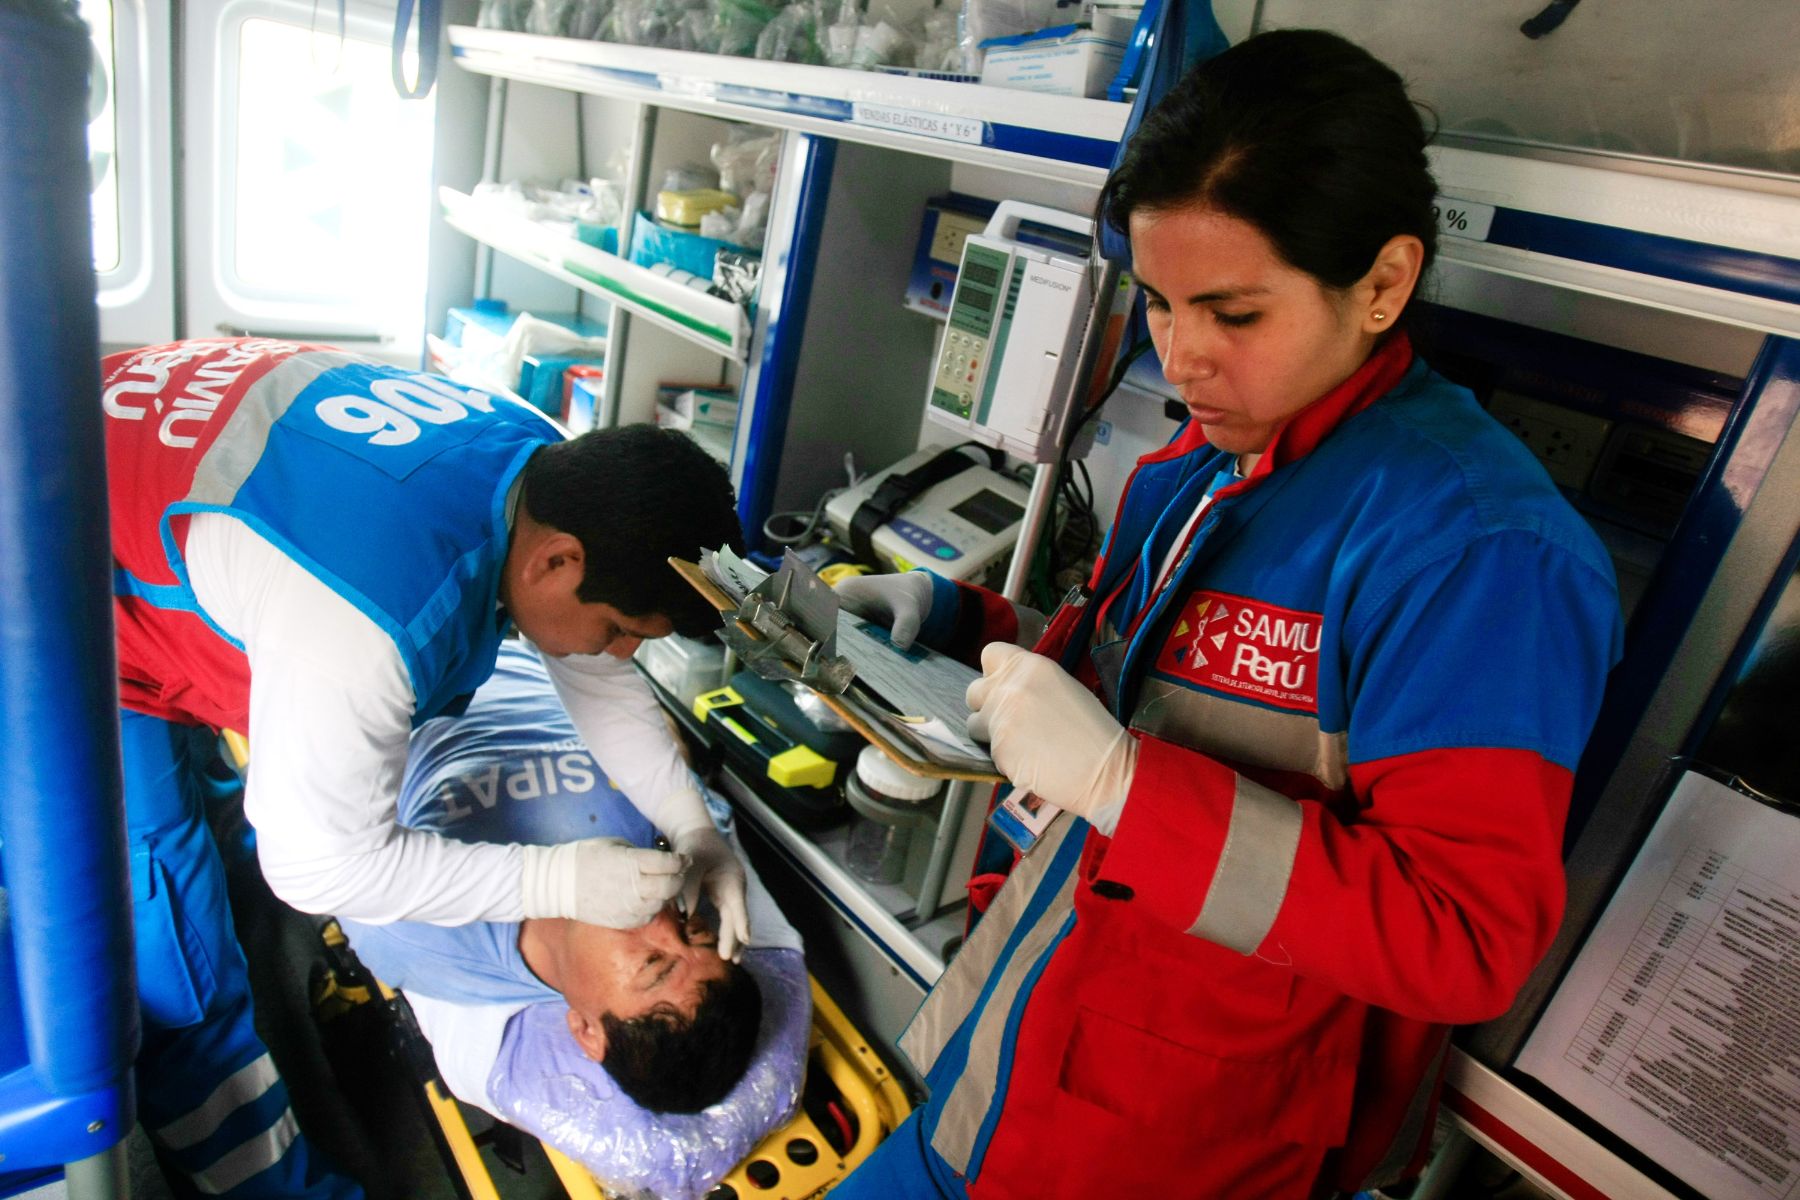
(1236, 644)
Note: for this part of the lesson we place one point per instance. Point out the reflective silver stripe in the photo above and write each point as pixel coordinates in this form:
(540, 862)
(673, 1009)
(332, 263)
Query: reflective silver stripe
(240, 445)
(957, 989)
(1242, 733)
(973, 1093)
(1252, 877)
(239, 1088)
(251, 1158)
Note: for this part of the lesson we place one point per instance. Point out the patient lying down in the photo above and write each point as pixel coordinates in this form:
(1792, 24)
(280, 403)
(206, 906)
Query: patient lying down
(640, 1053)
(671, 1021)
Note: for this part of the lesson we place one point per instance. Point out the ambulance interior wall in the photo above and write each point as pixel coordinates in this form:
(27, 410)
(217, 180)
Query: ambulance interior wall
(866, 360)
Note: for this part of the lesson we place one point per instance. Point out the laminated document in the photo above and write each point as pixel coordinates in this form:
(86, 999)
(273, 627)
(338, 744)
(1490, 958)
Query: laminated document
(1678, 1025)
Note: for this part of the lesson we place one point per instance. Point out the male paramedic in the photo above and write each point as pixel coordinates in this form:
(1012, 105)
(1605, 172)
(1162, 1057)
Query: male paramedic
(323, 551)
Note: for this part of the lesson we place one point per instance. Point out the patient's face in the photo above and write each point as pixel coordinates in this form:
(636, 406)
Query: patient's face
(629, 972)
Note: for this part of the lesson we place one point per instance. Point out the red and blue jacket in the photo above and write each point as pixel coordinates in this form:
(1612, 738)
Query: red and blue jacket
(1360, 699)
(389, 486)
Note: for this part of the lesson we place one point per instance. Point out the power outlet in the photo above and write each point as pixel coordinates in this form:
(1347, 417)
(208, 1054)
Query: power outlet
(949, 234)
(1568, 443)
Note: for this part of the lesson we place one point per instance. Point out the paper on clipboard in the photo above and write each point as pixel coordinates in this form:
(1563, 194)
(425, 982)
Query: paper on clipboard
(908, 703)
(1677, 1026)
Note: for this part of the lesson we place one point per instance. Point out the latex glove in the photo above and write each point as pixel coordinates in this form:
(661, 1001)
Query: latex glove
(600, 881)
(1050, 735)
(901, 602)
(713, 868)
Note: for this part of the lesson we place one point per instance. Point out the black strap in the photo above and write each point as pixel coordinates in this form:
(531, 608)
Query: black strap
(893, 494)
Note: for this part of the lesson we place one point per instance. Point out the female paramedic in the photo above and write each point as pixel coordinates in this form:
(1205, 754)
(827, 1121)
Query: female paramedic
(1312, 722)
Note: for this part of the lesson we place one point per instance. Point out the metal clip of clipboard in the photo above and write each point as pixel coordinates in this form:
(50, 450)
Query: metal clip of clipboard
(794, 618)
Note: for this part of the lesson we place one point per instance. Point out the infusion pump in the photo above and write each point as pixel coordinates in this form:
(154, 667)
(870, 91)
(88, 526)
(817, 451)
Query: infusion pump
(963, 526)
(1006, 368)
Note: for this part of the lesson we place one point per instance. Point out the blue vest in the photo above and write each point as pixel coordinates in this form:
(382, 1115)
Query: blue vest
(390, 487)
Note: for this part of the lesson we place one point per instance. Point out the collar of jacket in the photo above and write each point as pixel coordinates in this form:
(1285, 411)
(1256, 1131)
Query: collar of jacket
(1302, 432)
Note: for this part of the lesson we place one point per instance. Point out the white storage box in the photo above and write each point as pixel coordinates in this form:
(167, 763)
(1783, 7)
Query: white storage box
(1067, 62)
(683, 667)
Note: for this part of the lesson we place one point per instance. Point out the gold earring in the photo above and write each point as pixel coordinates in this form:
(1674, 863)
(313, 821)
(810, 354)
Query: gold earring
(1379, 316)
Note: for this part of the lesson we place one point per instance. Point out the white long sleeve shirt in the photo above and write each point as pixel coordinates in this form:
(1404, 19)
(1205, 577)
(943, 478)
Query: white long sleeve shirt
(331, 708)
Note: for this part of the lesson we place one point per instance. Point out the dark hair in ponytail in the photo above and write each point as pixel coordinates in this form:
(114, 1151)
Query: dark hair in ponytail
(1298, 132)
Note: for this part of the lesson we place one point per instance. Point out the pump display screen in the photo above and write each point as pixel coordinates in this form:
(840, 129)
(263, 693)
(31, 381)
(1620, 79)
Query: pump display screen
(980, 273)
(989, 511)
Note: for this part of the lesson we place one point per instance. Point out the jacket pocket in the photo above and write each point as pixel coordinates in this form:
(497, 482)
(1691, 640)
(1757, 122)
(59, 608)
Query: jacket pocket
(174, 972)
(1162, 1085)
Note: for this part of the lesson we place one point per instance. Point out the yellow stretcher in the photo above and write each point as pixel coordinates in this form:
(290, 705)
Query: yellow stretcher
(850, 1102)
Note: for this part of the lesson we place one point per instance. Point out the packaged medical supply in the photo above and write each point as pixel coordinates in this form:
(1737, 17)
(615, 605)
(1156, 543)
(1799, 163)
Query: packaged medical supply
(542, 378)
(686, 208)
(583, 391)
(984, 20)
(601, 237)
(488, 344)
(683, 667)
(674, 274)
(792, 36)
(746, 159)
(740, 225)
(652, 243)
(1069, 61)
(484, 319)
(707, 406)
(736, 276)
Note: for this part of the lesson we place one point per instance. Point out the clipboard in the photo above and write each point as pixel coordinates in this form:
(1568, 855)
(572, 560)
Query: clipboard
(794, 646)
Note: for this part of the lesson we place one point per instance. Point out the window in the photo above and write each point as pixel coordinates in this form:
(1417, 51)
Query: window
(324, 147)
(103, 136)
(308, 197)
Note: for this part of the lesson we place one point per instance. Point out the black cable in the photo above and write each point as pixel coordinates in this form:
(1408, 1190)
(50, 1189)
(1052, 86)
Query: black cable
(1065, 478)
(1087, 505)
(1553, 15)
(1112, 385)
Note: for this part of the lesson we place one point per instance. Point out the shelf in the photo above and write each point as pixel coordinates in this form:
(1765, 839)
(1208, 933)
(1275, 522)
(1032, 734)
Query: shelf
(1054, 137)
(1550, 1152)
(1710, 242)
(718, 325)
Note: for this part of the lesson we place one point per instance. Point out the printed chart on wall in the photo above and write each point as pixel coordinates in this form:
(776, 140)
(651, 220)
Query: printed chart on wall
(1678, 1026)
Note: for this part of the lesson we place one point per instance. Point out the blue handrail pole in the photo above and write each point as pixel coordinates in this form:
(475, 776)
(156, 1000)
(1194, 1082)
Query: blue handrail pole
(62, 823)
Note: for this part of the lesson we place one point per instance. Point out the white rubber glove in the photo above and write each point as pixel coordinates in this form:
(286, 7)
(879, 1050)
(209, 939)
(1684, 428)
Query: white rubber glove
(1050, 735)
(713, 868)
(901, 602)
(600, 881)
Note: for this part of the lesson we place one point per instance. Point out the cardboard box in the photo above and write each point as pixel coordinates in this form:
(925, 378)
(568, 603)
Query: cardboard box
(583, 386)
(541, 379)
(1059, 62)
